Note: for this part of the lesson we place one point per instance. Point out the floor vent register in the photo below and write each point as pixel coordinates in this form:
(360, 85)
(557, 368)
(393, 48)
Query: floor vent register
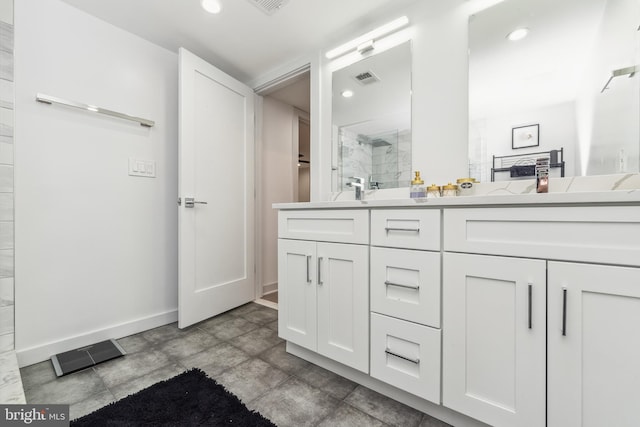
(81, 358)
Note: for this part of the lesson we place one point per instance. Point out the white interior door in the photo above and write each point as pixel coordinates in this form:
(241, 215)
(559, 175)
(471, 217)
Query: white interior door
(216, 230)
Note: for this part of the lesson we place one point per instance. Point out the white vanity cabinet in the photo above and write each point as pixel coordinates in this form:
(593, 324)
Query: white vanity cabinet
(593, 345)
(405, 300)
(323, 285)
(494, 363)
(494, 319)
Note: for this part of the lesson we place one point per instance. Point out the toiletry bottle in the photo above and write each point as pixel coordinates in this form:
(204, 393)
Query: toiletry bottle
(418, 189)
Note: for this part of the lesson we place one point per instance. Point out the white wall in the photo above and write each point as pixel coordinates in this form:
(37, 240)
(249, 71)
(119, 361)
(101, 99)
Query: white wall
(492, 135)
(608, 125)
(96, 249)
(276, 183)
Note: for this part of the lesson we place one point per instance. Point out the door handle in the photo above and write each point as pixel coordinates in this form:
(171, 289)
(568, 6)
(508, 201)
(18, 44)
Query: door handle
(564, 311)
(320, 271)
(190, 202)
(308, 268)
(529, 303)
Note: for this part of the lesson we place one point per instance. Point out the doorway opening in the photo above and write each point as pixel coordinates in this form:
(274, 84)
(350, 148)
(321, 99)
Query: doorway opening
(285, 163)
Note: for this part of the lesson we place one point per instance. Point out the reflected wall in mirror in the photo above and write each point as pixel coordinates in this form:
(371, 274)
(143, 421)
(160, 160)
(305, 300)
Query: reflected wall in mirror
(371, 120)
(556, 77)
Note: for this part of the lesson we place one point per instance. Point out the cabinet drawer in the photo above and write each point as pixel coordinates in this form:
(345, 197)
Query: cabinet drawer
(406, 284)
(602, 234)
(406, 355)
(331, 225)
(406, 228)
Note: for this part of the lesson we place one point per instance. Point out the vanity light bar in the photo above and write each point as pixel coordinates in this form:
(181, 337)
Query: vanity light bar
(368, 37)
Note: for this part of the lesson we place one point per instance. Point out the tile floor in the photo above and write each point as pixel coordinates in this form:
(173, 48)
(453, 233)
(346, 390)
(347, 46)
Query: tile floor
(241, 350)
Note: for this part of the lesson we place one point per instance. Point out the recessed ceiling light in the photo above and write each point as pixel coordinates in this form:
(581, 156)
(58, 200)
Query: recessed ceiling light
(518, 34)
(211, 6)
(347, 93)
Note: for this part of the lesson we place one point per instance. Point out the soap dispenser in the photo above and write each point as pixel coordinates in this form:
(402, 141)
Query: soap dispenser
(418, 190)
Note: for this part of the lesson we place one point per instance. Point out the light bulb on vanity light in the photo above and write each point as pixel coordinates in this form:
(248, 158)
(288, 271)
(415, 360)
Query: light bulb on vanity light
(211, 6)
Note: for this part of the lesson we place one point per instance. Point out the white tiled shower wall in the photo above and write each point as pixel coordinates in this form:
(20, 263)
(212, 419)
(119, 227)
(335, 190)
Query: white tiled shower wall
(6, 177)
(389, 165)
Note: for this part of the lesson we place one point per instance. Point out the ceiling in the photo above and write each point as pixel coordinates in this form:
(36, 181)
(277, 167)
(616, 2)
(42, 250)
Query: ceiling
(242, 40)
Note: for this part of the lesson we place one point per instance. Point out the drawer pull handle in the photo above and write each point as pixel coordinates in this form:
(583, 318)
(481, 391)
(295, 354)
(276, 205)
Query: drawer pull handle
(411, 230)
(308, 268)
(388, 283)
(564, 312)
(408, 359)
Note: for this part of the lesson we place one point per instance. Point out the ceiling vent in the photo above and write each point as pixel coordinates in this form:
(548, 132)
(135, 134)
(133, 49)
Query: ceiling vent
(366, 78)
(269, 6)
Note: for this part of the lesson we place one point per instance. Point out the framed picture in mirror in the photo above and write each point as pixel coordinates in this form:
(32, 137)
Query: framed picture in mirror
(525, 136)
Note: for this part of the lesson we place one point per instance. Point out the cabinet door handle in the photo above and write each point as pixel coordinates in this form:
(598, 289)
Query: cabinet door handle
(564, 312)
(413, 230)
(320, 271)
(408, 359)
(308, 268)
(530, 303)
(388, 283)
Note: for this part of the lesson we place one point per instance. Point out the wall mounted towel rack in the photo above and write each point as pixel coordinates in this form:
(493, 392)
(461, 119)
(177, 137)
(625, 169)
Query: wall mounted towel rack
(46, 99)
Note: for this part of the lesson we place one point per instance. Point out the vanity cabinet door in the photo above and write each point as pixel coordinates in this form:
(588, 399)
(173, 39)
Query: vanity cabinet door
(494, 332)
(343, 303)
(594, 345)
(297, 292)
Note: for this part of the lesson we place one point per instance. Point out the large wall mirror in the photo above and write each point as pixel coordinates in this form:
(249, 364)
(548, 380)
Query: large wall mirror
(568, 88)
(371, 120)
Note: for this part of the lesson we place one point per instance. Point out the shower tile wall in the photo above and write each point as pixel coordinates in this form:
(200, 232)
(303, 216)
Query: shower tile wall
(355, 159)
(6, 177)
(392, 163)
(389, 165)
(404, 158)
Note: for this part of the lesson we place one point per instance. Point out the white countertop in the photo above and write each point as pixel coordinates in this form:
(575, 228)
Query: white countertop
(584, 190)
(535, 199)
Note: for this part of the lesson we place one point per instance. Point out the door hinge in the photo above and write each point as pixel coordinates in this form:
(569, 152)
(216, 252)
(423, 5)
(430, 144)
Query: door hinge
(179, 201)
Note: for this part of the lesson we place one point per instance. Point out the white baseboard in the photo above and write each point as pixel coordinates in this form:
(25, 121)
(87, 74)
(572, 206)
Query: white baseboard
(266, 303)
(269, 288)
(29, 356)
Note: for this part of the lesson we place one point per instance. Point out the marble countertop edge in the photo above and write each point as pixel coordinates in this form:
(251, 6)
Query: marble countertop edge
(529, 199)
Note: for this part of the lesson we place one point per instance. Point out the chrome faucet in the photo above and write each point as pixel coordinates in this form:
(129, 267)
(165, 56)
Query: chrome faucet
(373, 185)
(358, 184)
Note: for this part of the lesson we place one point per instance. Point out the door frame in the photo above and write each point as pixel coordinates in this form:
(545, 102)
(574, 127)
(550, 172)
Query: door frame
(261, 88)
(300, 116)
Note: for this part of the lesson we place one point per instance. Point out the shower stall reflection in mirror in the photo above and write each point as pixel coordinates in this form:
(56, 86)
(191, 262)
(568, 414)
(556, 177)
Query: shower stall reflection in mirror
(283, 167)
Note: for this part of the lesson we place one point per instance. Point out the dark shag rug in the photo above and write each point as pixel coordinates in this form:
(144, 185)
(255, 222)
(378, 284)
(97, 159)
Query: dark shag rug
(189, 399)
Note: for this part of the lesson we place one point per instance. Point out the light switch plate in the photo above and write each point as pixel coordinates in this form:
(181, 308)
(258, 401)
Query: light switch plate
(145, 168)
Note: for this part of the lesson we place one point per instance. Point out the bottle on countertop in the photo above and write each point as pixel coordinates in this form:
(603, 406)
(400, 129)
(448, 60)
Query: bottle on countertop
(418, 190)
